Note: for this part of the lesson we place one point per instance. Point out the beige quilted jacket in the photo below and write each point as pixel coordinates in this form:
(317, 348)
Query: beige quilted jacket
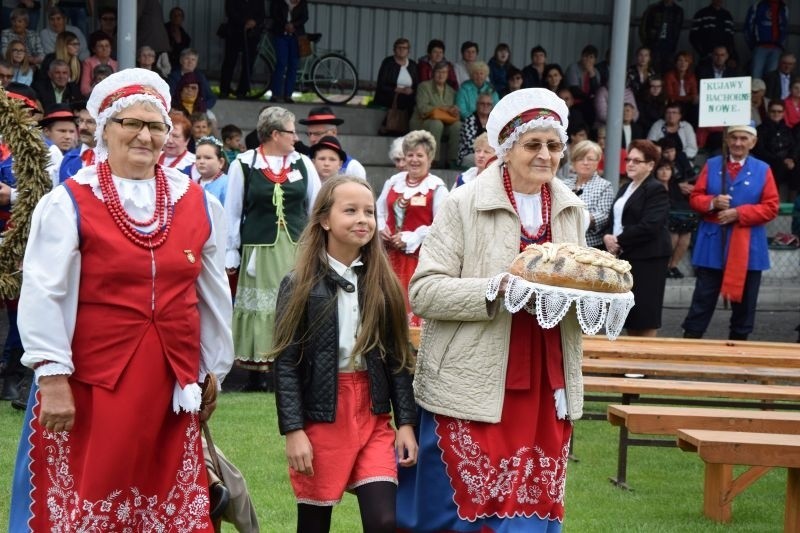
(461, 366)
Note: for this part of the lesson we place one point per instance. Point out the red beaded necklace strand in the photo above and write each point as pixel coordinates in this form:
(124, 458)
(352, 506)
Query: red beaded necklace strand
(281, 176)
(543, 234)
(162, 215)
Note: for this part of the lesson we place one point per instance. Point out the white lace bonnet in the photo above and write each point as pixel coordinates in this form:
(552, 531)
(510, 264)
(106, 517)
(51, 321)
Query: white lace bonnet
(524, 110)
(123, 89)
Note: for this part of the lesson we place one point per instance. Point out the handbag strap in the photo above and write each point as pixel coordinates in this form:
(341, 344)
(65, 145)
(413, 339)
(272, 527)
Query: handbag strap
(212, 450)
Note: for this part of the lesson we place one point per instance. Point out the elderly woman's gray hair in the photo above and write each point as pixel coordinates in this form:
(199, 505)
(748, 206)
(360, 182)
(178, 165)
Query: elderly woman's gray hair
(396, 149)
(417, 138)
(478, 66)
(272, 119)
(19, 13)
(441, 65)
(584, 148)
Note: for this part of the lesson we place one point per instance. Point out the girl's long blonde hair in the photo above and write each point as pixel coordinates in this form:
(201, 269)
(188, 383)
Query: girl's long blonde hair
(384, 323)
(24, 66)
(62, 53)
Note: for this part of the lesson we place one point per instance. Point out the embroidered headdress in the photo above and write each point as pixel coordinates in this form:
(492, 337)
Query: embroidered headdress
(121, 90)
(524, 110)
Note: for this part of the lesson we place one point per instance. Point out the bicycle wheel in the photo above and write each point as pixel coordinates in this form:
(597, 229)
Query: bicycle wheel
(261, 78)
(334, 79)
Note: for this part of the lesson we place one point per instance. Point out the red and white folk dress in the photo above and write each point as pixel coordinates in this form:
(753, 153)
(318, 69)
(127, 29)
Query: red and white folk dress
(135, 329)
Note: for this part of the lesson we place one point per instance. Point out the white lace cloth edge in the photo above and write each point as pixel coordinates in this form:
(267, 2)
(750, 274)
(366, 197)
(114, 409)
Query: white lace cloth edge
(550, 304)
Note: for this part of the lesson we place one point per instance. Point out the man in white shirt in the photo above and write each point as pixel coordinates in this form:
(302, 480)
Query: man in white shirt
(780, 80)
(320, 122)
(56, 23)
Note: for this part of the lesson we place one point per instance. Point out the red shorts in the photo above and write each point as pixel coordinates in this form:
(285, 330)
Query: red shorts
(356, 449)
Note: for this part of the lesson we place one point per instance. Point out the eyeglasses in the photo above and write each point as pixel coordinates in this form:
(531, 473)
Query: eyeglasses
(290, 132)
(654, 86)
(75, 43)
(15, 50)
(588, 159)
(632, 161)
(134, 125)
(535, 147)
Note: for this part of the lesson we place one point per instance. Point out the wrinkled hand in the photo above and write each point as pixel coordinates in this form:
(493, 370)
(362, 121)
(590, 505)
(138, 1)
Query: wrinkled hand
(299, 452)
(406, 446)
(722, 201)
(57, 411)
(728, 216)
(611, 244)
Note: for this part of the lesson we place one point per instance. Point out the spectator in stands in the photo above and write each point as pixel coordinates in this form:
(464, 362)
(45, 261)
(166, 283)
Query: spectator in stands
(188, 63)
(474, 125)
(680, 83)
(659, 30)
(99, 73)
(601, 135)
(437, 112)
(575, 113)
(146, 59)
(601, 104)
(596, 192)
(554, 78)
(652, 104)
(321, 122)
(731, 247)
(718, 66)
(533, 75)
(83, 155)
(19, 32)
(638, 75)
(766, 28)
(712, 26)
(637, 232)
(175, 153)
(435, 55)
(777, 147)
(779, 81)
(77, 12)
(484, 154)
(499, 66)
(758, 104)
(66, 49)
(673, 126)
(469, 54)
(792, 105)
(231, 141)
(242, 32)
(584, 80)
(107, 26)
(328, 157)
(396, 155)
(398, 78)
(100, 46)
(56, 88)
(631, 128)
(17, 56)
(467, 96)
(6, 73)
(179, 40)
(288, 23)
(57, 23)
(515, 79)
(187, 97)
(682, 221)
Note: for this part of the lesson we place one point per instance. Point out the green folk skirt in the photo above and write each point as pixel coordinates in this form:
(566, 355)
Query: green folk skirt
(260, 274)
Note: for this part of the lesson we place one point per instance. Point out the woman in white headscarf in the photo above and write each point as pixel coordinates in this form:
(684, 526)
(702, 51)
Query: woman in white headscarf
(124, 312)
(498, 393)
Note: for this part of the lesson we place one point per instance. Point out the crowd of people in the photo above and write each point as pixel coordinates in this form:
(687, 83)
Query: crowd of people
(278, 256)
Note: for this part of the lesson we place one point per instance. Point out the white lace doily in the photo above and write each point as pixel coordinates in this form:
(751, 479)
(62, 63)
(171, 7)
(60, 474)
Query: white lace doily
(550, 304)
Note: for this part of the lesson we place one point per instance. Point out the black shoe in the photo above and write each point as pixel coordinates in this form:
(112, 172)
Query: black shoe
(275, 99)
(733, 336)
(288, 100)
(687, 334)
(676, 273)
(10, 390)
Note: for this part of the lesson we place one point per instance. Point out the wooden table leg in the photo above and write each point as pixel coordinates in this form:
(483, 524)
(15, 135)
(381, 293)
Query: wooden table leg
(718, 479)
(791, 520)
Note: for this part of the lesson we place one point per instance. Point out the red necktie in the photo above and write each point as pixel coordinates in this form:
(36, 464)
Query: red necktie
(734, 168)
(88, 157)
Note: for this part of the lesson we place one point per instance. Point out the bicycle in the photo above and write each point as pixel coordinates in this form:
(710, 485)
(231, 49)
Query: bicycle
(329, 73)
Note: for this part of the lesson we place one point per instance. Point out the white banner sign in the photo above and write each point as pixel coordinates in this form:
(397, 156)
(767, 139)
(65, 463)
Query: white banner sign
(724, 101)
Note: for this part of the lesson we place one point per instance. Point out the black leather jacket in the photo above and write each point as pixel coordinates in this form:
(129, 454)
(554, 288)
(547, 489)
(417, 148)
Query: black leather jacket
(306, 373)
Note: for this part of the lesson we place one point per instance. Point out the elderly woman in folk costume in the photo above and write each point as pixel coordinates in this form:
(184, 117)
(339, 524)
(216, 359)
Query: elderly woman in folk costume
(271, 190)
(120, 360)
(498, 393)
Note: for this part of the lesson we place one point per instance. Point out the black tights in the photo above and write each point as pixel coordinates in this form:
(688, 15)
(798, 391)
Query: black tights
(376, 501)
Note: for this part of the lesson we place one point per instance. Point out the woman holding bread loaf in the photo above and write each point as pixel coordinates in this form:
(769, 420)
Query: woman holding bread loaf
(498, 393)
(637, 232)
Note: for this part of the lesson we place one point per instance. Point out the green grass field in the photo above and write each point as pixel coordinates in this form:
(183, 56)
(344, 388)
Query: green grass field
(667, 495)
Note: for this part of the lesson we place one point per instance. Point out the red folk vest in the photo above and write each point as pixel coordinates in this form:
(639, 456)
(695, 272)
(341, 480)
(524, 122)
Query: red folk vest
(124, 290)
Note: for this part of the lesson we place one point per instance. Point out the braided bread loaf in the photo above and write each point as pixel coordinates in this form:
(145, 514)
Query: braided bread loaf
(573, 266)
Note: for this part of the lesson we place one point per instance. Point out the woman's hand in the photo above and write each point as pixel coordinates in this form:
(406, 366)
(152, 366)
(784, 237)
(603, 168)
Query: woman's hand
(299, 452)
(397, 241)
(611, 244)
(231, 271)
(406, 445)
(57, 411)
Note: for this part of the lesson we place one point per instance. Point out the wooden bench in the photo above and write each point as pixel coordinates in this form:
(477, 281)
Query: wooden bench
(703, 371)
(667, 420)
(720, 450)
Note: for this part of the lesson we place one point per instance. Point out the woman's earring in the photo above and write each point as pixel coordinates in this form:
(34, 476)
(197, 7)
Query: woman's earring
(326, 228)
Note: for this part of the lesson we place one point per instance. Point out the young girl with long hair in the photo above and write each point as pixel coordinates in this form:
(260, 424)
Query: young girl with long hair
(67, 49)
(17, 57)
(343, 363)
(210, 166)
